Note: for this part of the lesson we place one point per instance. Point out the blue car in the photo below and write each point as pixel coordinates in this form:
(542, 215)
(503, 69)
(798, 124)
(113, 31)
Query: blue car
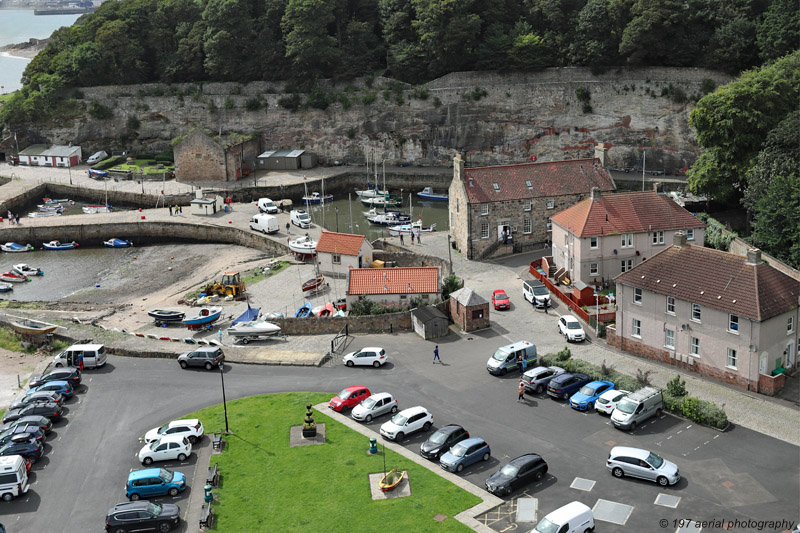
(465, 453)
(62, 387)
(31, 450)
(585, 398)
(154, 482)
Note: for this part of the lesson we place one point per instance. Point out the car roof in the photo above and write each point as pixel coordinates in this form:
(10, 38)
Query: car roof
(381, 395)
(569, 318)
(184, 422)
(638, 453)
(85, 347)
(129, 506)
(523, 459)
(355, 388)
(413, 410)
(470, 441)
(56, 382)
(598, 382)
(371, 348)
(449, 428)
(206, 349)
(613, 392)
(170, 438)
(562, 514)
(147, 472)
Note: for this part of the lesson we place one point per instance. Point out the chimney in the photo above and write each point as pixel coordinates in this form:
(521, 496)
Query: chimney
(679, 240)
(600, 153)
(458, 168)
(753, 256)
(656, 185)
(595, 195)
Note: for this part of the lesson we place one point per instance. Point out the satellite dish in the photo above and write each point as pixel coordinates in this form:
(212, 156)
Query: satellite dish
(615, 251)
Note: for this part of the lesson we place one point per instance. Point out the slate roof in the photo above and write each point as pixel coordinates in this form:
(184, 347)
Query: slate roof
(547, 179)
(340, 243)
(630, 212)
(468, 298)
(34, 149)
(400, 280)
(428, 313)
(716, 279)
(61, 151)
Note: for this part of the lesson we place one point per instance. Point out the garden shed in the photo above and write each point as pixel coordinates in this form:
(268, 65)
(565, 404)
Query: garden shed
(286, 160)
(469, 310)
(429, 323)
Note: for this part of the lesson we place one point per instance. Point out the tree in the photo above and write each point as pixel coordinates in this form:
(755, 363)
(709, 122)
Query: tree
(309, 45)
(596, 40)
(448, 33)
(528, 50)
(779, 30)
(656, 34)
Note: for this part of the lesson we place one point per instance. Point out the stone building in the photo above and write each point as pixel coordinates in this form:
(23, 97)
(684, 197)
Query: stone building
(200, 157)
(394, 286)
(508, 207)
(339, 252)
(469, 310)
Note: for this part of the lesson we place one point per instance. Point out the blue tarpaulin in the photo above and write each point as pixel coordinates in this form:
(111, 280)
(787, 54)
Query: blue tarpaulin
(247, 316)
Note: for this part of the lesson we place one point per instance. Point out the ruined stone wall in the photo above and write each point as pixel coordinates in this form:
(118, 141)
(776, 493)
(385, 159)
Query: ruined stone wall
(199, 158)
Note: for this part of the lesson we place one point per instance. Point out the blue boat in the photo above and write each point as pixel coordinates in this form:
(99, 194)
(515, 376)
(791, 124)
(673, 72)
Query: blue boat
(205, 317)
(428, 195)
(117, 243)
(304, 311)
(58, 245)
(14, 247)
(97, 174)
(248, 316)
(317, 198)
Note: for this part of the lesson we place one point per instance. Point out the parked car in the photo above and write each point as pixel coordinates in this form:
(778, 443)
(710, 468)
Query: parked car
(17, 438)
(34, 431)
(96, 157)
(264, 223)
(505, 358)
(265, 205)
(572, 330)
(609, 400)
(536, 379)
(566, 385)
(166, 448)
(442, 440)
(154, 482)
(349, 398)
(64, 388)
(73, 375)
(517, 472)
(465, 453)
(50, 410)
(139, 516)
(637, 407)
(376, 405)
(406, 422)
(209, 357)
(94, 356)
(644, 464)
(38, 420)
(300, 218)
(575, 517)
(500, 300)
(536, 293)
(37, 397)
(32, 450)
(191, 428)
(585, 399)
(372, 356)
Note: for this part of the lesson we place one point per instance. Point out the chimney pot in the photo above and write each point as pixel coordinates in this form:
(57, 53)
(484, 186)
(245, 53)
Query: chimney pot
(679, 240)
(754, 256)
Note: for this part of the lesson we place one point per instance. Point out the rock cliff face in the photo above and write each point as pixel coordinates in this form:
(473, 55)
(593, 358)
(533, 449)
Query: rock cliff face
(490, 117)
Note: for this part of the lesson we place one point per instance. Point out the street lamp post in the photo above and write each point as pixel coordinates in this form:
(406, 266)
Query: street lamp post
(596, 312)
(337, 219)
(224, 402)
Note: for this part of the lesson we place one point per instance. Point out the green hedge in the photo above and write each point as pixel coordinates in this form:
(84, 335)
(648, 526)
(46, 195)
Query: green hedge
(108, 163)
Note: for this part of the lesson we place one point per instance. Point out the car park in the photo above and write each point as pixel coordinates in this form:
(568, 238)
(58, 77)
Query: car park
(407, 422)
(142, 516)
(37, 420)
(536, 379)
(371, 356)
(517, 472)
(37, 397)
(32, 450)
(349, 398)
(442, 440)
(73, 375)
(566, 385)
(575, 517)
(636, 462)
(505, 358)
(586, 397)
(50, 410)
(571, 328)
(64, 388)
(637, 407)
(536, 293)
(376, 405)
(207, 357)
(500, 300)
(465, 453)
(191, 428)
(166, 448)
(609, 400)
(154, 482)
(13, 477)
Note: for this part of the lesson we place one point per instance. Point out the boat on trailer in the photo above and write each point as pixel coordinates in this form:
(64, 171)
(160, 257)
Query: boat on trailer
(303, 246)
(164, 316)
(245, 332)
(206, 317)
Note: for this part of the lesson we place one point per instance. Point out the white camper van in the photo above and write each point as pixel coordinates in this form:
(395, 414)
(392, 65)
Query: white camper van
(299, 217)
(13, 477)
(264, 223)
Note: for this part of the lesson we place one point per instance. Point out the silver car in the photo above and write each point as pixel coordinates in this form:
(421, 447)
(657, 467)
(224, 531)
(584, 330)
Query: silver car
(635, 462)
(536, 379)
(376, 405)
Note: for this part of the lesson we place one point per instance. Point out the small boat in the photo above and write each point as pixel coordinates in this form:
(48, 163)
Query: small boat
(5, 287)
(58, 245)
(391, 480)
(162, 316)
(48, 208)
(326, 311)
(276, 314)
(303, 245)
(371, 192)
(382, 201)
(207, 315)
(27, 326)
(51, 201)
(338, 314)
(97, 174)
(92, 209)
(24, 270)
(315, 311)
(386, 218)
(44, 214)
(255, 328)
(13, 247)
(10, 276)
(428, 194)
(304, 311)
(117, 243)
(407, 229)
(313, 283)
(340, 304)
(317, 198)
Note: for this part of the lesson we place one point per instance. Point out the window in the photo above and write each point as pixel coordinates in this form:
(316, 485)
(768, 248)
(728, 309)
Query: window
(669, 338)
(790, 325)
(670, 305)
(551, 204)
(527, 206)
(549, 225)
(496, 186)
(690, 234)
(528, 183)
(566, 239)
(484, 209)
(477, 313)
(526, 225)
(627, 264)
(696, 313)
(695, 346)
(637, 328)
(627, 240)
(593, 243)
(337, 259)
(733, 324)
(484, 231)
(637, 295)
(593, 269)
(731, 358)
(658, 237)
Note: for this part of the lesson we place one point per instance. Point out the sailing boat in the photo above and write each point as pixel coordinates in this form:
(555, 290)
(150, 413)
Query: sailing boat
(372, 192)
(91, 209)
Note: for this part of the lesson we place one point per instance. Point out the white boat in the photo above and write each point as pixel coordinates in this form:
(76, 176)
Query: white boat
(44, 214)
(15, 247)
(414, 227)
(91, 209)
(255, 328)
(371, 193)
(50, 207)
(26, 270)
(303, 245)
(388, 218)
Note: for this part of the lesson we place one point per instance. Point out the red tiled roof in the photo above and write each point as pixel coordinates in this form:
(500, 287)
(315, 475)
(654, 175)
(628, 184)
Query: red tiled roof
(547, 179)
(716, 279)
(630, 212)
(340, 243)
(400, 280)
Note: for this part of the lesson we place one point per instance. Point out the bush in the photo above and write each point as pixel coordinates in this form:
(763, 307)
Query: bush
(252, 104)
(475, 94)
(677, 386)
(420, 93)
(450, 284)
(351, 133)
(708, 86)
(318, 98)
(229, 103)
(99, 111)
(564, 355)
(690, 408)
(711, 415)
(108, 163)
(583, 94)
(643, 377)
(436, 102)
(212, 107)
(364, 307)
(133, 123)
(291, 102)
(587, 108)
(606, 370)
(369, 98)
(236, 89)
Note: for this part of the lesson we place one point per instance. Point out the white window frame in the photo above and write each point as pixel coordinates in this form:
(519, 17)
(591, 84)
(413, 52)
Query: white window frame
(484, 209)
(637, 295)
(593, 243)
(527, 226)
(670, 309)
(694, 346)
(626, 265)
(627, 240)
(337, 259)
(484, 230)
(527, 206)
(790, 325)
(593, 270)
(669, 338)
(690, 234)
(551, 204)
(732, 358)
(733, 323)
(549, 226)
(699, 309)
(496, 186)
(637, 328)
(658, 237)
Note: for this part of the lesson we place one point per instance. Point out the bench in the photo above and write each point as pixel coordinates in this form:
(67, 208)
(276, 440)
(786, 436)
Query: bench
(213, 476)
(206, 516)
(217, 441)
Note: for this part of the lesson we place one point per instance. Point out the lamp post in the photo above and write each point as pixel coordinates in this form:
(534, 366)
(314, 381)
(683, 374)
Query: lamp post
(596, 312)
(337, 219)
(224, 402)
(69, 168)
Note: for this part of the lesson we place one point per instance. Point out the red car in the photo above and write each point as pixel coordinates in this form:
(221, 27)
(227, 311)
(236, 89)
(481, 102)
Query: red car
(500, 300)
(349, 398)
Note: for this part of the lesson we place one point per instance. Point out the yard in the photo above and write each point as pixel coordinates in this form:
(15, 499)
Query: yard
(268, 486)
(146, 166)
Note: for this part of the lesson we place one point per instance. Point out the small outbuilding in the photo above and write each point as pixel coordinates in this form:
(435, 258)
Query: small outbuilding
(429, 323)
(337, 253)
(207, 205)
(286, 160)
(469, 310)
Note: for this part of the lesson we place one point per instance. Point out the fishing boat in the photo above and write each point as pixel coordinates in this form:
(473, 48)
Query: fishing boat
(27, 326)
(317, 198)
(386, 218)
(304, 311)
(13, 247)
(5, 287)
(408, 229)
(327, 310)
(10, 276)
(303, 246)
(428, 194)
(39, 214)
(50, 207)
(314, 283)
(58, 245)
(92, 209)
(51, 201)
(25, 270)
(253, 329)
(163, 316)
(206, 316)
(117, 243)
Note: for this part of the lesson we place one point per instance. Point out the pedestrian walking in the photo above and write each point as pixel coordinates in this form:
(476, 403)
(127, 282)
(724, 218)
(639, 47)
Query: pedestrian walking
(288, 228)
(401, 238)
(521, 390)
(17, 219)
(436, 354)
(418, 234)
(546, 305)
(520, 362)
(170, 210)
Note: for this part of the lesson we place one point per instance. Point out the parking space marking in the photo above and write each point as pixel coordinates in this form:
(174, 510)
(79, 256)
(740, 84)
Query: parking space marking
(580, 483)
(690, 528)
(613, 512)
(667, 500)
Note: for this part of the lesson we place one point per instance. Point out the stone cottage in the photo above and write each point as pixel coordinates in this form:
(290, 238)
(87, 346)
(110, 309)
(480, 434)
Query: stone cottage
(469, 310)
(200, 157)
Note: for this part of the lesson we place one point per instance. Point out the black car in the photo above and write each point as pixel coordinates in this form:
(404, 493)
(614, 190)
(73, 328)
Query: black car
(32, 451)
(50, 410)
(517, 472)
(566, 385)
(37, 397)
(19, 434)
(72, 375)
(35, 420)
(441, 441)
(142, 515)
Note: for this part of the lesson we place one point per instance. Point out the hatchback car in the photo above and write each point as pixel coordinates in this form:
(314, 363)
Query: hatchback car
(585, 399)
(608, 401)
(442, 440)
(372, 356)
(73, 375)
(572, 330)
(154, 482)
(142, 516)
(31, 450)
(50, 410)
(500, 300)
(38, 397)
(517, 472)
(536, 379)
(349, 398)
(191, 428)
(376, 405)
(166, 448)
(635, 462)
(566, 385)
(465, 453)
(36, 420)
(64, 388)
(406, 422)
(208, 357)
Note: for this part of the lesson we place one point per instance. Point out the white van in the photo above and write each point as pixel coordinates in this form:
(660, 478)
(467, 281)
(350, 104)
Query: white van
(265, 205)
(299, 217)
(536, 293)
(13, 477)
(637, 407)
(574, 517)
(505, 358)
(94, 356)
(264, 223)
(97, 157)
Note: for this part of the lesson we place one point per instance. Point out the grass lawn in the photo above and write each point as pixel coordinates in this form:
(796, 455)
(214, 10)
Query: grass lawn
(267, 486)
(141, 165)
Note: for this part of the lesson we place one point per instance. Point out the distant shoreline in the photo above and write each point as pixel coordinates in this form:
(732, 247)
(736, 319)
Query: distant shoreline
(24, 50)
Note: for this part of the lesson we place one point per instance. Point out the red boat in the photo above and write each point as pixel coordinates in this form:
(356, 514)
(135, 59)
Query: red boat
(313, 283)
(13, 277)
(327, 310)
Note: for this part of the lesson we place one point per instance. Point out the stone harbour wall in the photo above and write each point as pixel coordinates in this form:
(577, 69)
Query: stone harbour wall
(386, 323)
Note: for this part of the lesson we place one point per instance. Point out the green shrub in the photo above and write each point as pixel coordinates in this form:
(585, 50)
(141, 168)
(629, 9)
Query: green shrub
(99, 111)
(690, 408)
(252, 104)
(420, 93)
(369, 98)
(291, 102)
(229, 103)
(212, 107)
(606, 370)
(475, 94)
(643, 377)
(564, 355)
(364, 307)
(351, 133)
(583, 94)
(451, 284)
(436, 102)
(398, 99)
(318, 98)
(677, 386)
(708, 86)
(711, 415)
(587, 108)
(108, 163)
(133, 123)
(236, 89)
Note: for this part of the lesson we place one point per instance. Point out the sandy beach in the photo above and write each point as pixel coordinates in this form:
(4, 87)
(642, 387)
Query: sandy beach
(20, 51)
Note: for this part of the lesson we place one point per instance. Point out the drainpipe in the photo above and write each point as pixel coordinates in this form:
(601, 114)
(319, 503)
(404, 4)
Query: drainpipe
(469, 228)
(750, 357)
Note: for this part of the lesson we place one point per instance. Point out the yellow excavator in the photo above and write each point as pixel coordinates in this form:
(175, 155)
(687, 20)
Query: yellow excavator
(231, 285)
